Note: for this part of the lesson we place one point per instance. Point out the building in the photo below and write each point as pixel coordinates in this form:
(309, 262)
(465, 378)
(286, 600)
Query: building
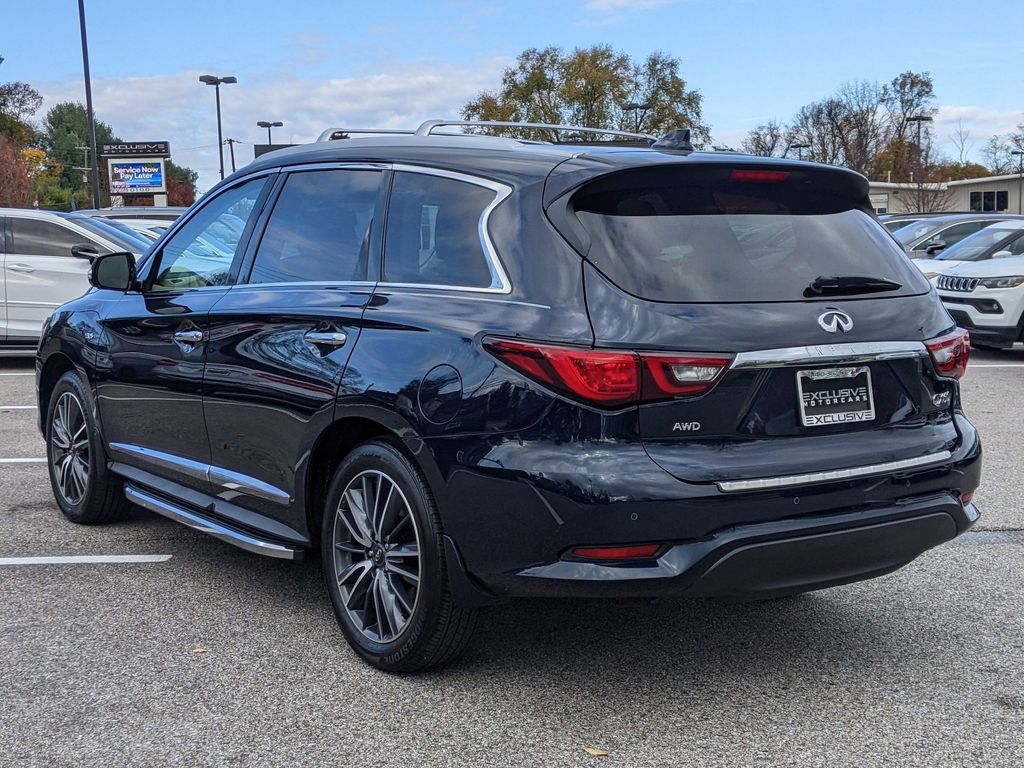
(997, 194)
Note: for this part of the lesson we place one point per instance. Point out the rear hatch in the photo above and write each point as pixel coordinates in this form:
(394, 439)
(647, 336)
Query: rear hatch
(775, 293)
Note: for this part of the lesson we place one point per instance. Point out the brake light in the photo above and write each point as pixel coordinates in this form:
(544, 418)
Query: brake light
(950, 353)
(612, 377)
(628, 552)
(759, 176)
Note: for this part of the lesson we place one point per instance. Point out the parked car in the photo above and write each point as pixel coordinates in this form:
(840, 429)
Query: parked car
(928, 237)
(1004, 238)
(127, 212)
(45, 259)
(463, 368)
(894, 221)
(150, 229)
(987, 297)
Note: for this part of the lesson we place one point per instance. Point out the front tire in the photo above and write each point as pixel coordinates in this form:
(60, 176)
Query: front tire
(85, 490)
(384, 564)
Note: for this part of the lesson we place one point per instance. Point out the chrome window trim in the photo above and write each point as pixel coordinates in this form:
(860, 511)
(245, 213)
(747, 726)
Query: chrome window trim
(817, 354)
(787, 481)
(499, 277)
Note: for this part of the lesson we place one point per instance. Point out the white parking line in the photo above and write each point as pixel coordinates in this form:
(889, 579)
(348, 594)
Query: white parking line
(26, 373)
(22, 461)
(17, 407)
(83, 559)
(972, 366)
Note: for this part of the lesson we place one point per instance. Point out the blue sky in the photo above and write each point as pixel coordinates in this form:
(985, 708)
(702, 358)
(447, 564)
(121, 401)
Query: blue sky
(314, 63)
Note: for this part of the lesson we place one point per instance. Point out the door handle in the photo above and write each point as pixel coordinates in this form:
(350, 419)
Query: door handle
(20, 268)
(190, 337)
(326, 338)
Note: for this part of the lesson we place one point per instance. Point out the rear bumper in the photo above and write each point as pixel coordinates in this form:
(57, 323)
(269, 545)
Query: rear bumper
(767, 559)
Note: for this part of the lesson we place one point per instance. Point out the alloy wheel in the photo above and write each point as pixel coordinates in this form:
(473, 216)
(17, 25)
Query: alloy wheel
(376, 556)
(69, 448)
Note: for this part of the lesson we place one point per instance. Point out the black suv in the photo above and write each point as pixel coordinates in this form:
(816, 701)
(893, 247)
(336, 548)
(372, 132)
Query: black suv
(471, 367)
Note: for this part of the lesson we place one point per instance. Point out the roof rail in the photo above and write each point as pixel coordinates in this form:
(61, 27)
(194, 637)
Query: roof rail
(332, 134)
(427, 128)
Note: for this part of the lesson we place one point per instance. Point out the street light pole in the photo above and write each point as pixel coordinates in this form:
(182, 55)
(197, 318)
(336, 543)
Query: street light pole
(636, 107)
(231, 144)
(94, 164)
(268, 125)
(920, 155)
(1020, 179)
(216, 83)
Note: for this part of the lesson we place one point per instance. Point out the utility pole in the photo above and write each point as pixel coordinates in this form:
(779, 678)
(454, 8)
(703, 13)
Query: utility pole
(920, 160)
(1020, 179)
(231, 144)
(88, 108)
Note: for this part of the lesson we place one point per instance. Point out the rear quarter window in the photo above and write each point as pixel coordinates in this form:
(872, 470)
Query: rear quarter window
(711, 235)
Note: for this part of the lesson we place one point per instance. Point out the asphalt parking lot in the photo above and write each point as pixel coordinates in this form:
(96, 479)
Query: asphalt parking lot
(217, 657)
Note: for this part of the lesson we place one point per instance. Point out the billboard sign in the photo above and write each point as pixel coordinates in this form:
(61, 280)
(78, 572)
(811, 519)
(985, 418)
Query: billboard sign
(137, 177)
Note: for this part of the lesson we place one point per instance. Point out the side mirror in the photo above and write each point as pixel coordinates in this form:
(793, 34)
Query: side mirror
(935, 246)
(113, 271)
(84, 251)
(1002, 254)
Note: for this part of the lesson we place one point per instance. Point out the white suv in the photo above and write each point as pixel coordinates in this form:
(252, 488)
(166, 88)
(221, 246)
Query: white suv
(986, 298)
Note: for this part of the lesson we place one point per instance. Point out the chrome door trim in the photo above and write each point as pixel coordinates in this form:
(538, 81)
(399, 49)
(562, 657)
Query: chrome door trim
(225, 478)
(212, 528)
(786, 481)
(855, 352)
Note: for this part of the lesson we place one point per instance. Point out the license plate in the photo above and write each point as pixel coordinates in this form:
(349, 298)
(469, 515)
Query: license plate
(830, 396)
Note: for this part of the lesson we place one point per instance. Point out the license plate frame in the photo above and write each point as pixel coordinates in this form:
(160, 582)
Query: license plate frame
(829, 397)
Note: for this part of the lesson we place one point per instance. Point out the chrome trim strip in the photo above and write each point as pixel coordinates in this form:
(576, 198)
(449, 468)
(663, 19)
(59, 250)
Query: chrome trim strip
(199, 523)
(856, 352)
(232, 481)
(766, 483)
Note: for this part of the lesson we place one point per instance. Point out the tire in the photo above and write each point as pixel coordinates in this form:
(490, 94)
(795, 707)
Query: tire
(394, 607)
(85, 490)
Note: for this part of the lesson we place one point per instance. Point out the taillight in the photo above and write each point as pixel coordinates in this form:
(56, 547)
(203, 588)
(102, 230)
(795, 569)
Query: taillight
(612, 377)
(950, 353)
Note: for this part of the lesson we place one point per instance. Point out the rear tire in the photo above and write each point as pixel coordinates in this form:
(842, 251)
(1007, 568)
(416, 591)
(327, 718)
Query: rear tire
(384, 564)
(85, 490)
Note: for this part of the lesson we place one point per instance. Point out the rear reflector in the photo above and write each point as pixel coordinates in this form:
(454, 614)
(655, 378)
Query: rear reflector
(760, 176)
(965, 499)
(950, 353)
(628, 552)
(608, 377)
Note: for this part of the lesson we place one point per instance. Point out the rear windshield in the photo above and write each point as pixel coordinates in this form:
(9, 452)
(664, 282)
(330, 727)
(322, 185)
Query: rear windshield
(729, 235)
(916, 231)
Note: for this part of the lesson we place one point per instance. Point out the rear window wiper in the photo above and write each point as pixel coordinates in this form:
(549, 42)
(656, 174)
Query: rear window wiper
(849, 285)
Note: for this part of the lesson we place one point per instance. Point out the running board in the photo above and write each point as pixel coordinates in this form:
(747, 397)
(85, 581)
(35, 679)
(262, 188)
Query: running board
(194, 520)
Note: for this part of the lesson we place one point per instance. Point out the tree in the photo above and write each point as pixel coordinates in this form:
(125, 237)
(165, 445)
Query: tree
(998, 152)
(589, 87)
(65, 132)
(181, 184)
(18, 102)
(768, 140)
(15, 185)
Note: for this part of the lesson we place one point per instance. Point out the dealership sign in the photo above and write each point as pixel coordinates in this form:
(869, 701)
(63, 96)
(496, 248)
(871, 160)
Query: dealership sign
(137, 149)
(137, 177)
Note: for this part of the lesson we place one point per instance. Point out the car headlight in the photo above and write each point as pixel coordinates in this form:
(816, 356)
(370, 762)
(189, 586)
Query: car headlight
(930, 275)
(1011, 281)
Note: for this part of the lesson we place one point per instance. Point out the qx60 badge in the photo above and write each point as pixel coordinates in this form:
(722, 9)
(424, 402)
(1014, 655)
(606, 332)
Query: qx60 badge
(832, 320)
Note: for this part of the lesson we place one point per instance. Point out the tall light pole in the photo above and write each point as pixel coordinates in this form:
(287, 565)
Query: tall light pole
(920, 156)
(231, 143)
(636, 106)
(268, 125)
(1020, 179)
(216, 83)
(799, 147)
(94, 164)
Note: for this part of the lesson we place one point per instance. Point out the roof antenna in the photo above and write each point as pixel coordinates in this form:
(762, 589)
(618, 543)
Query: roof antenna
(678, 140)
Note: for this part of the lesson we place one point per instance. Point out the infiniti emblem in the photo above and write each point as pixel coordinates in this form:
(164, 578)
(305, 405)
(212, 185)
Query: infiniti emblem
(832, 320)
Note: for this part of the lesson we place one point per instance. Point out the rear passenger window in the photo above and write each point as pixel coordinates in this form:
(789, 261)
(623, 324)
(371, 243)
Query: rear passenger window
(34, 237)
(320, 228)
(433, 232)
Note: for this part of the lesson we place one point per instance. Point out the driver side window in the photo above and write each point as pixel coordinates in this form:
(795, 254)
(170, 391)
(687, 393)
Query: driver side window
(201, 253)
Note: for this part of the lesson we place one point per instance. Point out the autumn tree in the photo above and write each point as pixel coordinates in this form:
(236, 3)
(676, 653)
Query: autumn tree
(18, 102)
(181, 184)
(15, 184)
(769, 140)
(591, 87)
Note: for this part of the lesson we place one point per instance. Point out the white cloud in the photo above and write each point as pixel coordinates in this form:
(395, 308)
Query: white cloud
(177, 108)
(608, 6)
(982, 123)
